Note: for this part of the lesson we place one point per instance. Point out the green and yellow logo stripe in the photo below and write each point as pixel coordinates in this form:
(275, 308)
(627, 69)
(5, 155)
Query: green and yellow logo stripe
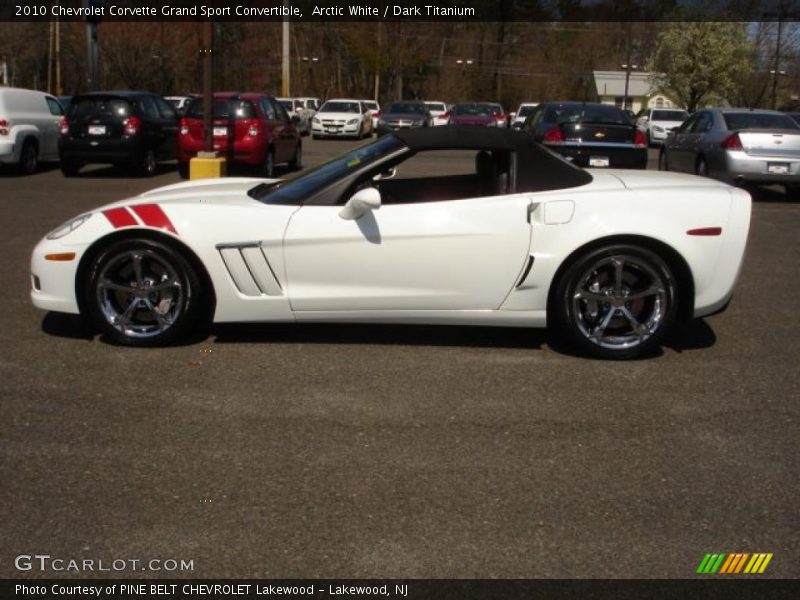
(734, 563)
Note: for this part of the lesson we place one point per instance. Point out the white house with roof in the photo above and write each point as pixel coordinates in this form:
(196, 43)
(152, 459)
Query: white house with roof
(610, 87)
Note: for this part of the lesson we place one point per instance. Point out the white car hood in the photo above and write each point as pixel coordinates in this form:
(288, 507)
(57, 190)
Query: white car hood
(338, 115)
(225, 190)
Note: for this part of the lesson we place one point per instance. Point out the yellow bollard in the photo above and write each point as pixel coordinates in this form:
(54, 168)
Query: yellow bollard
(205, 167)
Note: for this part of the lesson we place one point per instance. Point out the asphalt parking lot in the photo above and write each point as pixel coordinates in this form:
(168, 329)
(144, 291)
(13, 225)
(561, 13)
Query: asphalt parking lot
(383, 451)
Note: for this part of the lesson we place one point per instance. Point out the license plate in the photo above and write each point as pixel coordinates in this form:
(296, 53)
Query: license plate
(97, 129)
(332, 129)
(777, 168)
(598, 161)
(220, 131)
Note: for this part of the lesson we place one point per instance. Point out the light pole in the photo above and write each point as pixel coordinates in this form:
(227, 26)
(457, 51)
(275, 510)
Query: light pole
(628, 68)
(464, 63)
(310, 61)
(775, 73)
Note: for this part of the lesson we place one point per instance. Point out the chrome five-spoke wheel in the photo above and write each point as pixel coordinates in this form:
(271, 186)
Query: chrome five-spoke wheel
(617, 301)
(141, 292)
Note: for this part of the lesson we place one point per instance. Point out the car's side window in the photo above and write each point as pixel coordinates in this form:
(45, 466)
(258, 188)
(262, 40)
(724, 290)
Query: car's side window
(165, 110)
(533, 119)
(464, 174)
(54, 107)
(703, 124)
(268, 108)
(149, 108)
(688, 124)
(280, 112)
(310, 104)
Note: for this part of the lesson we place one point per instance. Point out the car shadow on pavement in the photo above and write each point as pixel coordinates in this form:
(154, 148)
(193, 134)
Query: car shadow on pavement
(389, 335)
(67, 326)
(693, 335)
(770, 194)
(112, 172)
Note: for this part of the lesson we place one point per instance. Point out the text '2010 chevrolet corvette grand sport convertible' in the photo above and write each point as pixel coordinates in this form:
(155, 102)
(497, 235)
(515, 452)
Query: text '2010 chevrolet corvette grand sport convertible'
(610, 260)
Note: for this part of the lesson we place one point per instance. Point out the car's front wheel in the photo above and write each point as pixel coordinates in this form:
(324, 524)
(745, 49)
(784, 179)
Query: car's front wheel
(29, 157)
(297, 162)
(147, 163)
(616, 301)
(268, 167)
(141, 292)
(663, 165)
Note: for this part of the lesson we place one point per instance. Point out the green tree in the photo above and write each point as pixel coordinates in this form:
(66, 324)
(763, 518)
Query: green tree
(701, 62)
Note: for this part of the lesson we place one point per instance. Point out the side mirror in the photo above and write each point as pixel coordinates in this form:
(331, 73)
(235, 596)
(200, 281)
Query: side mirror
(387, 174)
(360, 203)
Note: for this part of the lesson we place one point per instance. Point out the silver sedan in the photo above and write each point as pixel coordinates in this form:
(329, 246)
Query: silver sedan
(736, 145)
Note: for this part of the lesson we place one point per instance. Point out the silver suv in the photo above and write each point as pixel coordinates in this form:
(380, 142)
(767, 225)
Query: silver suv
(29, 128)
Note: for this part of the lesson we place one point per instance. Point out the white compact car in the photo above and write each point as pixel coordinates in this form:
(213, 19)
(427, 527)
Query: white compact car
(656, 123)
(438, 112)
(525, 109)
(611, 260)
(342, 118)
(29, 128)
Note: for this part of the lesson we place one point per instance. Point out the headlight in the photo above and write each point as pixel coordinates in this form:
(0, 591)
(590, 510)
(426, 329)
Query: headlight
(68, 227)
(352, 121)
(315, 120)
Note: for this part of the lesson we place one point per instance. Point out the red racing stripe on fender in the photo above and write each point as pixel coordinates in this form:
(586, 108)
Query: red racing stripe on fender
(705, 231)
(119, 217)
(152, 216)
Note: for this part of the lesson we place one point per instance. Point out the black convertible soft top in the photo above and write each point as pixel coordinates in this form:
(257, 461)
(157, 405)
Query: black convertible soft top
(538, 169)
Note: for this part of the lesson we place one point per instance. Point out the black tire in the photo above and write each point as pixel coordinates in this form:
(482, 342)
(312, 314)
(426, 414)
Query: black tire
(314, 136)
(268, 168)
(183, 170)
(70, 169)
(297, 162)
(663, 164)
(147, 163)
(701, 168)
(157, 303)
(28, 157)
(615, 302)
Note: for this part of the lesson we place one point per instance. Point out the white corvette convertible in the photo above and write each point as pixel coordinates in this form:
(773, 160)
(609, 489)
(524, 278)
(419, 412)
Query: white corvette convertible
(608, 259)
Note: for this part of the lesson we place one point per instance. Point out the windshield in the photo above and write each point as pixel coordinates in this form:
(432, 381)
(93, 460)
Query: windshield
(92, 106)
(371, 105)
(478, 110)
(670, 115)
(345, 107)
(435, 106)
(298, 189)
(495, 109)
(525, 111)
(758, 121)
(407, 107)
(581, 113)
(287, 104)
(223, 109)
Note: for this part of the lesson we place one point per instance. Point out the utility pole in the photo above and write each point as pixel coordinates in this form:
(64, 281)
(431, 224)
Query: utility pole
(776, 70)
(59, 91)
(206, 51)
(377, 87)
(50, 59)
(91, 42)
(285, 67)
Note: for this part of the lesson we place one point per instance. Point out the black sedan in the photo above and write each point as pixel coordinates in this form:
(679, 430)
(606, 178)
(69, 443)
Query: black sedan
(589, 134)
(403, 115)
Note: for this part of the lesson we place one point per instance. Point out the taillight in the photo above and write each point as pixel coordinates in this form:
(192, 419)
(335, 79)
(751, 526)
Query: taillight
(554, 135)
(3, 127)
(445, 115)
(639, 139)
(252, 128)
(184, 127)
(732, 142)
(376, 114)
(131, 126)
(500, 117)
(63, 126)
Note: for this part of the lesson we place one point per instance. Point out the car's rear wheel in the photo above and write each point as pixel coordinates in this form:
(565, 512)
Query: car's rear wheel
(147, 163)
(297, 162)
(183, 170)
(701, 168)
(663, 165)
(268, 168)
(28, 157)
(141, 292)
(70, 169)
(615, 301)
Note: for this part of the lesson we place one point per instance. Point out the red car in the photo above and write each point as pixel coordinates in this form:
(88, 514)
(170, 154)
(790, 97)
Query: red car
(249, 129)
(471, 113)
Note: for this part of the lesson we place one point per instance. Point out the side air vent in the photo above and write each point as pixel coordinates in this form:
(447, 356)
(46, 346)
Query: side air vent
(526, 271)
(250, 270)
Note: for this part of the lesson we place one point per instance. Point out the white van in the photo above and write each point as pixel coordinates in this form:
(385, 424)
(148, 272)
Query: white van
(29, 128)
